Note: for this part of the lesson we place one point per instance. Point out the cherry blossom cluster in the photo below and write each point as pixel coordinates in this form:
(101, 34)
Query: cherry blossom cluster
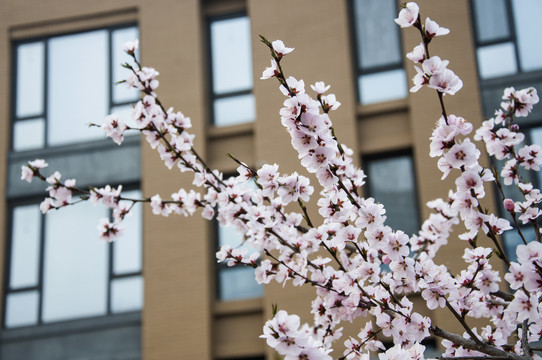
(62, 194)
(434, 72)
(358, 265)
(504, 141)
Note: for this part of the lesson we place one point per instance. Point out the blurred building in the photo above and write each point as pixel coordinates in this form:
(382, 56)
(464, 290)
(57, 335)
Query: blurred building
(158, 293)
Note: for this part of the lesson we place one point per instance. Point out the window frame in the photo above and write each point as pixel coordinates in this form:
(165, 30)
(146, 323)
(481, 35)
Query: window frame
(212, 96)
(111, 103)
(511, 38)
(365, 159)
(358, 70)
(39, 287)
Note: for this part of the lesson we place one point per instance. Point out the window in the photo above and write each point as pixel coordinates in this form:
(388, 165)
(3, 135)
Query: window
(59, 270)
(231, 70)
(237, 282)
(391, 182)
(57, 77)
(508, 36)
(378, 57)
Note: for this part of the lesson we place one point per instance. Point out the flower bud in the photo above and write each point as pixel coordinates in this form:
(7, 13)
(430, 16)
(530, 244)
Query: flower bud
(514, 127)
(509, 205)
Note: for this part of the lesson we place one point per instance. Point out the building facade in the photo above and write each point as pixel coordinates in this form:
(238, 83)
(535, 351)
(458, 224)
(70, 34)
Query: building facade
(158, 293)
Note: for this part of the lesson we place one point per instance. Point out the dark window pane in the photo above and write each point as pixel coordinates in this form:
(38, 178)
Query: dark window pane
(511, 240)
(376, 32)
(25, 246)
(491, 19)
(78, 89)
(529, 33)
(236, 282)
(536, 138)
(22, 308)
(391, 182)
(231, 55)
(30, 77)
(76, 263)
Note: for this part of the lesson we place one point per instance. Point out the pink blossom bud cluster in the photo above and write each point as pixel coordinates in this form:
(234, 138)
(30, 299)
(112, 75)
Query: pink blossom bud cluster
(502, 138)
(285, 334)
(434, 72)
(456, 152)
(61, 194)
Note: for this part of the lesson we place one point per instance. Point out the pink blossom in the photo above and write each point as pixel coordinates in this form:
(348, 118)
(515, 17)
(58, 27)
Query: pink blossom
(114, 128)
(109, 231)
(462, 154)
(320, 87)
(27, 173)
(408, 15)
(280, 48)
(433, 29)
(330, 102)
(130, 47)
(446, 82)
(417, 55)
(46, 205)
(271, 71)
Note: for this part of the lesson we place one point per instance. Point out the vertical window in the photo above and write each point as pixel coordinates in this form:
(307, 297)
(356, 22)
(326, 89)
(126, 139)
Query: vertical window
(508, 36)
(391, 182)
(59, 270)
(237, 282)
(379, 63)
(231, 70)
(57, 77)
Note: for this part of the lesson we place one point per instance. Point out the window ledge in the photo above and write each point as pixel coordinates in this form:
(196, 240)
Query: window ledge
(79, 147)
(71, 327)
(215, 132)
(248, 306)
(382, 108)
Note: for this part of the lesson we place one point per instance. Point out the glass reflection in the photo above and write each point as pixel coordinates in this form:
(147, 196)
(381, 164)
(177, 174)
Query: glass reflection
(120, 92)
(392, 184)
(237, 282)
(25, 246)
(491, 19)
(22, 308)
(127, 254)
(231, 55)
(29, 134)
(529, 33)
(497, 60)
(378, 41)
(76, 262)
(30, 78)
(78, 89)
(234, 110)
(127, 294)
(382, 86)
